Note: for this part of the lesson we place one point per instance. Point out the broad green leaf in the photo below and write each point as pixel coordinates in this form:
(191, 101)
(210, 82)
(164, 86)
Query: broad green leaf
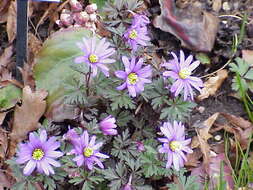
(9, 96)
(53, 62)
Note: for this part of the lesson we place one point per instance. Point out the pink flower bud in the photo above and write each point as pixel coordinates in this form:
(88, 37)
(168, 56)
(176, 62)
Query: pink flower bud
(75, 5)
(91, 8)
(66, 18)
(81, 18)
(140, 146)
(93, 17)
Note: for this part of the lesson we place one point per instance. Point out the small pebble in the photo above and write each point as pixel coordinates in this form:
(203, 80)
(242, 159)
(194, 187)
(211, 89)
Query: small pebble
(226, 6)
(217, 137)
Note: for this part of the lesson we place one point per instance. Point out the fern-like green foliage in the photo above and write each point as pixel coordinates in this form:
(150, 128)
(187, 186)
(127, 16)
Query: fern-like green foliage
(117, 176)
(246, 74)
(151, 165)
(186, 183)
(169, 108)
(123, 146)
(177, 109)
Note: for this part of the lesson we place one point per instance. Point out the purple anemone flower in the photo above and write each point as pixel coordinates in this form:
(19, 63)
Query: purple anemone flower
(135, 76)
(96, 55)
(87, 153)
(39, 153)
(140, 20)
(174, 144)
(136, 35)
(107, 126)
(181, 71)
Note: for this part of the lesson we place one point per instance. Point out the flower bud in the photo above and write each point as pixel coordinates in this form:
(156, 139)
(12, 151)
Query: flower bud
(93, 17)
(81, 18)
(91, 8)
(66, 18)
(127, 187)
(75, 5)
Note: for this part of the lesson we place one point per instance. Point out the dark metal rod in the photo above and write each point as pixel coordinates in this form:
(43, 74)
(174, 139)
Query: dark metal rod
(21, 40)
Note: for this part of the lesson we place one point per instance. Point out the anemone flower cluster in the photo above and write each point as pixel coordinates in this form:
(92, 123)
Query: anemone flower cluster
(180, 71)
(135, 76)
(96, 54)
(39, 153)
(137, 33)
(174, 144)
(87, 151)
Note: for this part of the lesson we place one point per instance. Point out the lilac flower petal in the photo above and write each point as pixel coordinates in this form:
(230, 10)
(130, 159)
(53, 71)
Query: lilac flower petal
(126, 63)
(92, 141)
(85, 138)
(30, 166)
(169, 161)
(79, 160)
(97, 146)
(100, 155)
(43, 136)
(80, 59)
(163, 140)
(54, 154)
(131, 90)
(187, 62)
(53, 162)
(175, 159)
(122, 87)
(98, 162)
(194, 65)
(121, 74)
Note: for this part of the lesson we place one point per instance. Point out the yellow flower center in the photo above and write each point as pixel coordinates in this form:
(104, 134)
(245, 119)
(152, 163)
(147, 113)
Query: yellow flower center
(184, 73)
(93, 58)
(175, 146)
(88, 152)
(133, 34)
(132, 78)
(37, 154)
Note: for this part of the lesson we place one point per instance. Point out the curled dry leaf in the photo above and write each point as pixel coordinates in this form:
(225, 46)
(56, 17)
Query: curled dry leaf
(5, 58)
(195, 28)
(12, 21)
(213, 84)
(27, 115)
(241, 129)
(3, 145)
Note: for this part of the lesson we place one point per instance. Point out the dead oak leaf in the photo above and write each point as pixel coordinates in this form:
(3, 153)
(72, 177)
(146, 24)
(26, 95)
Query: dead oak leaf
(213, 84)
(247, 55)
(12, 21)
(195, 28)
(27, 115)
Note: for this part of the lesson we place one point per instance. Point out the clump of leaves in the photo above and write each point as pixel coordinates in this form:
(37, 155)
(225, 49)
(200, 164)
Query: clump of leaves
(245, 72)
(170, 109)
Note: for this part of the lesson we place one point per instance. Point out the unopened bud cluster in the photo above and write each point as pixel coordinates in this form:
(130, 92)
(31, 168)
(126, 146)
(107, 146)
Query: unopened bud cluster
(78, 16)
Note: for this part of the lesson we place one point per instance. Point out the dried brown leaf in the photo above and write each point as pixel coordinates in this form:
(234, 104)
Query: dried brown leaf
(4, 181)
(237, 121)
(12, 21)
(27, 115)
(217, 4)
(4, 5)
(2, 117)
(213, 84)
(5, 58)
(193, 159)
(247, 55)
(3, 145)
(195, 28)
(34, 45)
(205, 149)
(204, 132)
